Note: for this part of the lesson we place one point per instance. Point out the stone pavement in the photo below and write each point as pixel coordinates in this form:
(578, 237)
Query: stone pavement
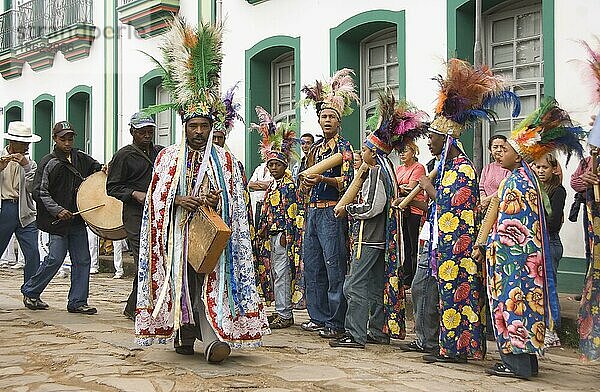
(54, 350)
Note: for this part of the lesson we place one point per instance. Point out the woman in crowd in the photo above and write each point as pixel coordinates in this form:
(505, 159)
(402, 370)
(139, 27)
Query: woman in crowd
(493, 173)
(408, 175)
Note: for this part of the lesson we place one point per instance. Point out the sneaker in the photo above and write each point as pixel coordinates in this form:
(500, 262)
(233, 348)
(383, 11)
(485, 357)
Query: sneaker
(93, 271)
(118, 275)
(372, 340)
(346, 341)
(83, 309)
(551, 339)
(18, 266)
(432, 358)
(501, 370)
(272, 317)
(414, 347)
(311, 326)
(34, 303)
(280, 322)
(217, 351)
(62, 274)
(184, 350)
(330, 333)
(4, 264)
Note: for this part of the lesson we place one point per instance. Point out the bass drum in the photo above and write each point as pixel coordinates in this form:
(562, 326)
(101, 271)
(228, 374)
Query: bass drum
(105, 221)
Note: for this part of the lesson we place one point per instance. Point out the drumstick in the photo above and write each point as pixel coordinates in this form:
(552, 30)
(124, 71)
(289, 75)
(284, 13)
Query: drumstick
(595, 171)
(82, 211)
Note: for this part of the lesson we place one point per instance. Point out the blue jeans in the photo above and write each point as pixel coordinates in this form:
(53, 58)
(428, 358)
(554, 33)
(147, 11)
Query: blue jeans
(426, 300)
(325, 256)
(281, 276)
(27, 236)
(76, 242)
(364, 292)
(556, 252)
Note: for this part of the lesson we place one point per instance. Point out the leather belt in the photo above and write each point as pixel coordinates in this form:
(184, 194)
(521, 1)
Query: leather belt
(323, 204)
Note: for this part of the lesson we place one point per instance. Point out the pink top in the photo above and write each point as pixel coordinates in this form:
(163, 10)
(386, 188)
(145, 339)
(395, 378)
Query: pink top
(491, 177)
(407, 174)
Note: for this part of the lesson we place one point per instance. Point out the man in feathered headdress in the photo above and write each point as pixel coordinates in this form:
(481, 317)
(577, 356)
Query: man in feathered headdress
(466, 95)
(373, 287)
(520, 276)
(278, 231)
(325, 241)
(221, 308)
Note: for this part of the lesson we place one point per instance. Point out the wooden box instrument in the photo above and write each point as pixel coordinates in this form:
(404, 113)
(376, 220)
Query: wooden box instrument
(208, 235)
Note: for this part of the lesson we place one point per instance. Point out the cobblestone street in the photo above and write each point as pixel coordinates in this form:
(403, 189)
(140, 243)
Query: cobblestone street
(54, 350)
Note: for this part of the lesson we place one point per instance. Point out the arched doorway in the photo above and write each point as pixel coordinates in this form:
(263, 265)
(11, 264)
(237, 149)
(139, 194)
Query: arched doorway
(43, 120)
(79, 115)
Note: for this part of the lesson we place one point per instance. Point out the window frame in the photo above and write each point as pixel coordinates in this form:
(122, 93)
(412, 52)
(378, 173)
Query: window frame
(381, 38)
(282, 61)
(537, 82)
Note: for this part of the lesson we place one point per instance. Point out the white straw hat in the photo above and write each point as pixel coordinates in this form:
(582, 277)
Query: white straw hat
(20, 132)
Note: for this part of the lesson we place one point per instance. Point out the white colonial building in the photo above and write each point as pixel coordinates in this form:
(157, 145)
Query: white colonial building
(83, 60)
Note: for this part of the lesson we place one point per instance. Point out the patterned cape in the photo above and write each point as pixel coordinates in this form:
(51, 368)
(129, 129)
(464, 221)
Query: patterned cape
(281, 200)
(521, 291)
(394, 306)
(589, 311)
(460, 285)
(233, 306)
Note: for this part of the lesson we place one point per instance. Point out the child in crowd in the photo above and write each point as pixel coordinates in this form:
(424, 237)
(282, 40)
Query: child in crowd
(278, 233)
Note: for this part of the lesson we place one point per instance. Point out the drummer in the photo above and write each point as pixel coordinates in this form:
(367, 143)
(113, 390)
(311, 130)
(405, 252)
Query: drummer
(55, 189)
(129, 175)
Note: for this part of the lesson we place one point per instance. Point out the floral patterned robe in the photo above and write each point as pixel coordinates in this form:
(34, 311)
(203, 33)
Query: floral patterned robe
(229, 293)
(520, 285)
(589, 311)
(459, 276)
(281, 201)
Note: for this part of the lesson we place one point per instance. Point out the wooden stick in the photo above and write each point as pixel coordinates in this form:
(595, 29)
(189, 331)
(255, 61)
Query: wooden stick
(488, 221)
(416, 190)
(353, 188)
(595, 171)
(82, 211)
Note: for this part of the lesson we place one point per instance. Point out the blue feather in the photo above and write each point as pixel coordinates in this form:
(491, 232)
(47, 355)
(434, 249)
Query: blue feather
(506, 98)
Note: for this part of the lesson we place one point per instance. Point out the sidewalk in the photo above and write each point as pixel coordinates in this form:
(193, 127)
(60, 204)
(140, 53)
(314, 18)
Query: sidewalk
(54, 350)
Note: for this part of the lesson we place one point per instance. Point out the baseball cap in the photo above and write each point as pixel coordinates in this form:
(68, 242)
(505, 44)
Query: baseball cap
(140, 120)
(61, 128)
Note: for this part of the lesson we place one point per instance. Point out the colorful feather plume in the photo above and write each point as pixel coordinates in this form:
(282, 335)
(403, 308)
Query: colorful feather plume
(547, 129)
(593, 69)
(396, 122)
(227, 112)
(278, 140)
(468, 94)
(191, 68)
(337, 94)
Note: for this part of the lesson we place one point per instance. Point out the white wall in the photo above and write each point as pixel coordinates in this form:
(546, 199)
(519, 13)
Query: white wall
(312, 21)
(60, 79)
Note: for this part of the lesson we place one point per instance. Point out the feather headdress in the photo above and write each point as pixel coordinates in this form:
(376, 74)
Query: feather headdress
(468, 94)
(395, 123)
(278, 140)
(337, 94)
(191, 69)
(593, 69)
(547, 129)
(227, 112)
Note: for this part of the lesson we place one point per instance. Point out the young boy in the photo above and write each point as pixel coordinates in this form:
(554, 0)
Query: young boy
(373, 288)
(278, 232)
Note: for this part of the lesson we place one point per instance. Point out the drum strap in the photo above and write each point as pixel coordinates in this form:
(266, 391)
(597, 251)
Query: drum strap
(72, 169)
(142, 153)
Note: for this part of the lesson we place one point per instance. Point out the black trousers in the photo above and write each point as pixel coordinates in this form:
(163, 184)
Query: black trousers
(132, 221)
(410, 237)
